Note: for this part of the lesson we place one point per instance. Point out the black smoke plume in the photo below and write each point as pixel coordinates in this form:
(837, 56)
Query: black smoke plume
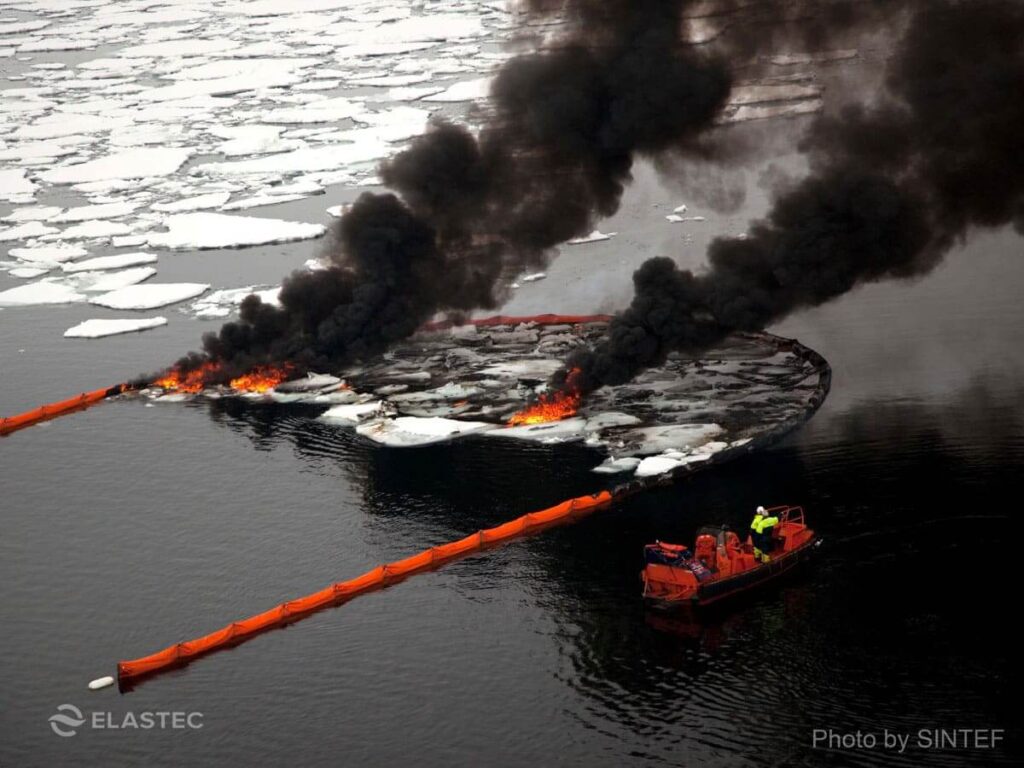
(892, 187)
(554, 155)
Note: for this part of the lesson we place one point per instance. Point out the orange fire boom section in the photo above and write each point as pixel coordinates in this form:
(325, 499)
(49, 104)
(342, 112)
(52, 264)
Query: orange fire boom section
(53, 410)
(381, 576)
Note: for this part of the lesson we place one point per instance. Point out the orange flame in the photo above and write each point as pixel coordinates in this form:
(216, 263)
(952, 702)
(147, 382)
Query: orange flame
(263, 378)
(260, 379)
(553, 407)
(193, 381)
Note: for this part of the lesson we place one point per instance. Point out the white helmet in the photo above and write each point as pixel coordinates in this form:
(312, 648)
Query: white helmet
(761, 510)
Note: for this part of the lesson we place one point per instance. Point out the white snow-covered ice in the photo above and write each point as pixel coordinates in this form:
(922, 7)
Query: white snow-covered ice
(99, 328)
(45, 291)
(410, 431)
(117, 261)
(133, 164)
(150, 295)
(217, 230)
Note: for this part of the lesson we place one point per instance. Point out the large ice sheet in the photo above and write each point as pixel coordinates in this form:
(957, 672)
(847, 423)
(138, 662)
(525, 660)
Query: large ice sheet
(26, 231)
(353, 413)
(467, 90)
(133, 164)
(563, 431)
(90, 212)
(197, 203)
(218, 230)
(53, 254)
(150, 295)
(98, 328)
(117, 261)
(46, 291)
(325, 158)
(410, 431)
(15, 186)
(104, 282)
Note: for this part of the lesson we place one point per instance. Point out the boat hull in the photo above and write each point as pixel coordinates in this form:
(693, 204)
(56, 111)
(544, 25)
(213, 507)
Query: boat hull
(712, 592)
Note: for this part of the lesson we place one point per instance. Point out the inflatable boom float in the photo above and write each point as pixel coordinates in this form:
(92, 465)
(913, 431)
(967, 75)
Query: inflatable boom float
(80, 402)
(185, 652)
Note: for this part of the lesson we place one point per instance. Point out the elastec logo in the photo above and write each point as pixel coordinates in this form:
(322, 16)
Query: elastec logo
(67, 720)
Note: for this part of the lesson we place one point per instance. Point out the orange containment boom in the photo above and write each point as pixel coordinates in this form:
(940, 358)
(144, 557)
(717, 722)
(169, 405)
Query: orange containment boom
(381, 576)
(42, 413)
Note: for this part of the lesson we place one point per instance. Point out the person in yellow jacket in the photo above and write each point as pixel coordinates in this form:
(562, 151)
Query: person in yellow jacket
(761, 533)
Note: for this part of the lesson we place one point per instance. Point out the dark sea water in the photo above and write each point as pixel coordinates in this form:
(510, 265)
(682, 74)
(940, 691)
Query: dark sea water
(128, 527)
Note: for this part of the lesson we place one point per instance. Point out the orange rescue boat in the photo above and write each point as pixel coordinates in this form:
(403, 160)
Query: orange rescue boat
(721, 564)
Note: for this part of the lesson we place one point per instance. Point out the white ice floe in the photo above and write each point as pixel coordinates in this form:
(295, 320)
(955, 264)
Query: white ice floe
(89, 212)
(324, 111)
(563, 431)
(311, 382)
(467, 90)
(249, 140)
(325, 158)
(197, 203)
(532, 369)
(258, 201)
(133, 164)
(413, 431)
(18, 27)
(26, 231)
(671, 437)
(217, 230)
(387, 81)
(534, 277)
(54, 254)
(193, 46)
(128, 241)
(594, 237)
(46, 291)
(15, 186)
(656, 465)
(353, 413)
(675, 218)
(48, 44)
(223, 302)
(58, 125)
(408, 93)
(27, 273)
(608, 419)
(105, 282)
(264, 77)
(95, 329)
(33, 213)
(95, 230)
(150, 295)
(612, 466)
(361, 50)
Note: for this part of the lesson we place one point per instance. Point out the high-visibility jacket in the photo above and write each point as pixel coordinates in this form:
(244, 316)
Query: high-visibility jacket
(761, 531)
